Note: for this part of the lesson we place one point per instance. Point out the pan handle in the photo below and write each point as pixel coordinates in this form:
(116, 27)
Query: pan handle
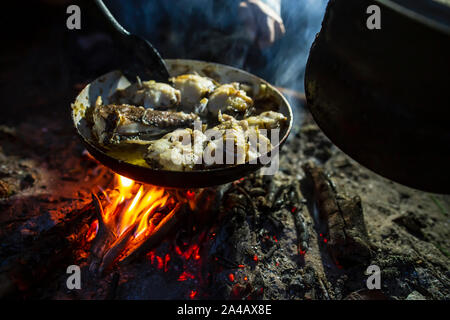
(111, 21)
(135, 56)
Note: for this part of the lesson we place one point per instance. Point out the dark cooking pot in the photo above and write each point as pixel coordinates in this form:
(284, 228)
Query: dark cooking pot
(382, 95)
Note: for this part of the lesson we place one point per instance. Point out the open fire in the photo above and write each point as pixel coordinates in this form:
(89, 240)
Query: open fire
(130, 214)
(170, 228)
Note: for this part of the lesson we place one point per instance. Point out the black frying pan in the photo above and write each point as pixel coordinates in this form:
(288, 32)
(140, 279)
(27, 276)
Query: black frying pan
(107, 84)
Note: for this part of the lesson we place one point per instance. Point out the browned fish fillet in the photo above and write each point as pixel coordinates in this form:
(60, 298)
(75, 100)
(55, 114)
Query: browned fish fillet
(117, 123)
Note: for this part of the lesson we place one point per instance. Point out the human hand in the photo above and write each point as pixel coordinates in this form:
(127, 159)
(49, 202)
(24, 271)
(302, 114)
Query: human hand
(261, 22)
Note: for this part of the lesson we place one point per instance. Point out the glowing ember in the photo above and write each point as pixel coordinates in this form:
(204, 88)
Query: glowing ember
(166, 262)
(190, 194)
(151, 256)
(185, 275)
(92, 232)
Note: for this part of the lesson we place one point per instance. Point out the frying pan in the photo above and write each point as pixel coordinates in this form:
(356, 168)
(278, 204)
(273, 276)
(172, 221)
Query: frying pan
(105, 85)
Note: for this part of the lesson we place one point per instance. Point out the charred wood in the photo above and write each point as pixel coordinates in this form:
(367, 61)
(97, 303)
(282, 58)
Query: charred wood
(300, 224)
(348, 241)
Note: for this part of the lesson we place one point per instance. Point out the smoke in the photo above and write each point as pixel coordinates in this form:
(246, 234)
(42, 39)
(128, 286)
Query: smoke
(287, 59)
(210, 30)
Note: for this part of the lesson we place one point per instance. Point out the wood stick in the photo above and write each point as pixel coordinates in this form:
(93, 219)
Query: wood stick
(348, 242)
(102, 240)
(167, 224)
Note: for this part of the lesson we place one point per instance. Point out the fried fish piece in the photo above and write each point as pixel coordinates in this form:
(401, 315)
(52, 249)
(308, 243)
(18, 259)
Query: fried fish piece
(187, 149)
(114, 124)
(149, 94)
(193, 89)
(180, 150)
(241, 141)
(228, 97)
(231, 142)
(233, 146)
(267, 120)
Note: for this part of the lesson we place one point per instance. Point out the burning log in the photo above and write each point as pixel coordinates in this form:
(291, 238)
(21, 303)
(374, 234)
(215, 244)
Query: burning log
(51, 250)
(166, 225)
(348, 241)
(103, 238)
(116, 249)
(134, 218)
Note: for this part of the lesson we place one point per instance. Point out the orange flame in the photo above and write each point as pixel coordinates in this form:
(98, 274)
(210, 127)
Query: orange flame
(128, 208)
(133, 205)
